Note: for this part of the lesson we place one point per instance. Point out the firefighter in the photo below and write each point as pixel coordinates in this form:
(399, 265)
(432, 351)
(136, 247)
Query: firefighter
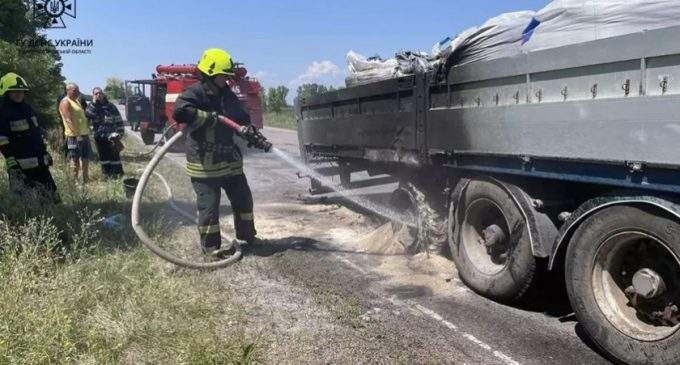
(21, 140)
(107, 126)
(77, 131)
(214, 162)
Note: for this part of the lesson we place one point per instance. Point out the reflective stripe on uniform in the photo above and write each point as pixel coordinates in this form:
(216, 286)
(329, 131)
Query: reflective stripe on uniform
(28, 163)
(213, 167)
(217, 173)
(4, 140)
(104, 162)
(214, 228)
(19, 125)
(35, 121)
(115, 163)
(201, 117)
(246, 216)
(214, 170)
(10, 162)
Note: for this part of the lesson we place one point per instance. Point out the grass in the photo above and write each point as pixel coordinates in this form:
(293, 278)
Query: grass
(73, 290)
(284, 119)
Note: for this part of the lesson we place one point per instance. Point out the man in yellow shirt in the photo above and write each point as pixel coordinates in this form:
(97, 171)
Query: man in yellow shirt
(77, 131)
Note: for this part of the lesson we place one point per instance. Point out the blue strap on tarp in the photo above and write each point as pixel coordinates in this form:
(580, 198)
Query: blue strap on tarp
(529, 31)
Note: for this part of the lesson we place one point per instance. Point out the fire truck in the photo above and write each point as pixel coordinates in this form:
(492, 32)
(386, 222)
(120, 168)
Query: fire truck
(152, 114)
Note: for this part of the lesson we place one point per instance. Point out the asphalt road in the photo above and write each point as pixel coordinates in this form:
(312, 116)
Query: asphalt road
(415, 312)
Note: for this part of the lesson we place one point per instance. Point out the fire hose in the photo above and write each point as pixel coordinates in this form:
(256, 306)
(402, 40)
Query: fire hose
(253, 137)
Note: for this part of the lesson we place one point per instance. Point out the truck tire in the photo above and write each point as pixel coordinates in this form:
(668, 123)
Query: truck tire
(408, 201)
(606, 252)
(489, 242)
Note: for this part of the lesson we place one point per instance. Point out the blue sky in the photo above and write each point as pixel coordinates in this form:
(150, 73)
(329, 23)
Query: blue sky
(281, 42)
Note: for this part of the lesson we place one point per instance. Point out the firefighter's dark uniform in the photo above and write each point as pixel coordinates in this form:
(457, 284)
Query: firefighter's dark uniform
(214, 162)
(22, 145)
(105, 119)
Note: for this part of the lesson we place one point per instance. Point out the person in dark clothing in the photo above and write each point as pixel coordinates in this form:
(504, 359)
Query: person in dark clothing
(21, 141)
(214, 162)
(108, 129)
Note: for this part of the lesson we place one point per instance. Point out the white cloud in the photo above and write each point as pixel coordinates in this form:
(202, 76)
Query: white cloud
(323, 72)
(317, 69)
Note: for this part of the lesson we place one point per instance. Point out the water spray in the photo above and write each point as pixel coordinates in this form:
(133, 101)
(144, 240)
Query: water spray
(255, 139)
(376, 209)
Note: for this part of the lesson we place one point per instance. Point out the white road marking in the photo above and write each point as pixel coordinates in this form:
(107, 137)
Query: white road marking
(477, 341)
(416, 307)
(436, 317)
(507, 359)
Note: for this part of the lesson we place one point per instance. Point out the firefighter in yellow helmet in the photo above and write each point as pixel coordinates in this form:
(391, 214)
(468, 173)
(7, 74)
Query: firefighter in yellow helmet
(214, 162)
(21, 140)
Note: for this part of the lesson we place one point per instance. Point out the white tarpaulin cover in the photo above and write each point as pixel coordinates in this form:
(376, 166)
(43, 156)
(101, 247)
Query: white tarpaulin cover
(498, 37)
(364, 70)
(565, 22)
(560, 23)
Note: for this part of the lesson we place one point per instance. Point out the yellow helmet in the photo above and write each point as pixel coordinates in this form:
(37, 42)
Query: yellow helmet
(12, 81)
(216, 62)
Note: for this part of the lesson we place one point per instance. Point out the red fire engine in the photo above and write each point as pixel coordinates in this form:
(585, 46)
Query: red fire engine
(151, 115)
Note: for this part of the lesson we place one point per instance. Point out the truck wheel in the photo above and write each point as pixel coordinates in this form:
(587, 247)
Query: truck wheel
(623, 279)
(490, 242)
(147, 136)
(409, 225)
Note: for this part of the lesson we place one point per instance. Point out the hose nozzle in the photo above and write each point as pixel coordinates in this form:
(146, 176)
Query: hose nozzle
(249, 133)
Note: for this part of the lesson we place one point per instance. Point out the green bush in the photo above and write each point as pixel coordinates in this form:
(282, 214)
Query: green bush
(283, 119)
(75, 291)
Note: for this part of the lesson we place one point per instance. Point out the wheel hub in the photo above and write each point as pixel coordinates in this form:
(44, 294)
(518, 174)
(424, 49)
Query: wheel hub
(485, 236)
(648, 284)
(636, 281)
(492, 236)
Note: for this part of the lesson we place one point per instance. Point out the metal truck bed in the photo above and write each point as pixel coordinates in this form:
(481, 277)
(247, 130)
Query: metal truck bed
(606, 111)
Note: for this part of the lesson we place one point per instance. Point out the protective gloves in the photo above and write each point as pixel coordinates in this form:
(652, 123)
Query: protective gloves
(255, 138)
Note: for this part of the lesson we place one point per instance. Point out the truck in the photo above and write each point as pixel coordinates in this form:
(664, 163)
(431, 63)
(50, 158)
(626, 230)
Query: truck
(564, 160)
(153, 114)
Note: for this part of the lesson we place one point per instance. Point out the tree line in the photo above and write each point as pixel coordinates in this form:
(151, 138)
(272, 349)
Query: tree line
(274, 98)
